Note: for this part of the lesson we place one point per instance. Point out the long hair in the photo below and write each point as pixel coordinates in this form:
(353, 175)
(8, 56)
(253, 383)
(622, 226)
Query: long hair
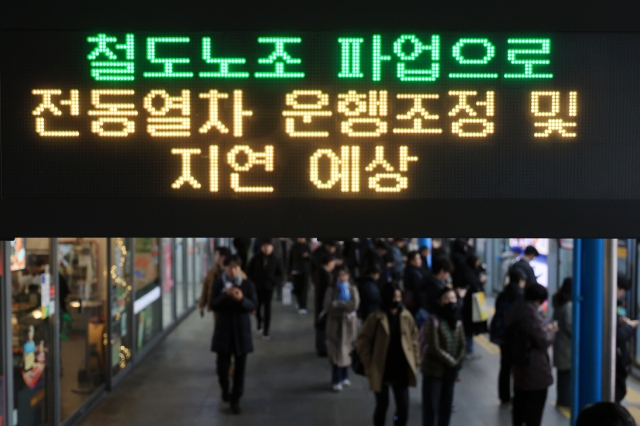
(563, 295)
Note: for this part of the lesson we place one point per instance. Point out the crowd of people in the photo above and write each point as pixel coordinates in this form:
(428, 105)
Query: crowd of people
(392, 314)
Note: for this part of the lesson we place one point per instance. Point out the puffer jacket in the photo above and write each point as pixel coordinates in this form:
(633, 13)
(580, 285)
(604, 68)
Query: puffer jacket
(446, 348)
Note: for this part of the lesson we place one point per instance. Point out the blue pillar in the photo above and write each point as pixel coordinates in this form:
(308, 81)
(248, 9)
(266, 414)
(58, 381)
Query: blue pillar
(587, 336)
(426, 242)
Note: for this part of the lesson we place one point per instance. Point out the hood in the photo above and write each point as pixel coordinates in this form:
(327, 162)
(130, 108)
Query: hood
(522, 311)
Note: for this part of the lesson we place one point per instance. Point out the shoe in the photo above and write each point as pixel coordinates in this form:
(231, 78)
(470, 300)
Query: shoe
(260, 330)
(266, 337)
(505, 404)
(302, 312)
(346, 382)
(225, 395)
(472, 357)
(235, 407)
(337, 388)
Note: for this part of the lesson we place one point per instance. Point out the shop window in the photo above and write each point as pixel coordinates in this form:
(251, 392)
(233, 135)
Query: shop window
(32, 305)
(147, 307)
(83, 333)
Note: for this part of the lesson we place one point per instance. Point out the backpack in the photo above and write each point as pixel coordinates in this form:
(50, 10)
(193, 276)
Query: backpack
(498, 327)
(518, 346)
(423, 337)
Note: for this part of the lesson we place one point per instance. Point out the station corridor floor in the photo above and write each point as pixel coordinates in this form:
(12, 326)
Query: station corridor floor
(286, 385)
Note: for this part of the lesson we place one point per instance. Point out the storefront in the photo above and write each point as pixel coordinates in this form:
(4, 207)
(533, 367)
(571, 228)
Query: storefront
(79, 313)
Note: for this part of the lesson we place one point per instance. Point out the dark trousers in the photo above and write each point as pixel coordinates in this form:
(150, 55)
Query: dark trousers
(621, 387)
(504, 377)
(437, 399)
(240, 364)
(300, 287)
(264, 303)
(564, 388)
(401, 396)
(338, 374)
(528, 407)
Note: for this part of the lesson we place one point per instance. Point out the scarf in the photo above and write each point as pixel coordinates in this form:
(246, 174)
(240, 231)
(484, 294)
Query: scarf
(237, 281)
(345, 294)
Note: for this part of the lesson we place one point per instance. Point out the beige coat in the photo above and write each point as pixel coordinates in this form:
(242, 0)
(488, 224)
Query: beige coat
(373, 344)
(342, 325)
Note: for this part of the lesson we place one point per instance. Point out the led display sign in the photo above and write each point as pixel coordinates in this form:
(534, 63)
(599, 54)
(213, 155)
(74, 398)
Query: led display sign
(344, 115)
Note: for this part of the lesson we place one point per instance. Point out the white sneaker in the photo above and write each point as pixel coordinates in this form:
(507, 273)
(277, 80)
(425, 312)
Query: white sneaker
(346, 382)
(302, 312)
(266, 337)
(337, 388)
(259, 331)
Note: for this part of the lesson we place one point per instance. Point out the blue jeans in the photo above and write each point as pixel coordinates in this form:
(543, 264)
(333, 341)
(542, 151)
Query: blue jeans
(339, 374)
(469, 344)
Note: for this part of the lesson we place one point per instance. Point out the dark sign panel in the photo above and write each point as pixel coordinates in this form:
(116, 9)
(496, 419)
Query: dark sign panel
(353, 115)
(218, 125)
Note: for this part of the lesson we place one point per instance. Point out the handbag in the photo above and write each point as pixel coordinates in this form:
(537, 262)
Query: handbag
(356, 363)
(479, 307)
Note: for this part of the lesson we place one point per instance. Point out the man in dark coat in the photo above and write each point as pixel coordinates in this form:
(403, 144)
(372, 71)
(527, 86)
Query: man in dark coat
(322, 281)
(529, 337)
(299, 269)
(415, 284)
(265, 270)
(233, 299)
(369, 291)
(530, 253)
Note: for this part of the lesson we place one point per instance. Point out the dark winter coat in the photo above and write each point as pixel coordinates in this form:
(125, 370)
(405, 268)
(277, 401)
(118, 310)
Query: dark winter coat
(536, 374)
(233, 324)
(624, 334)
(415, 284)
(524, 266)
(322, 281)
(298, 263)
(474, 285)
(266, 275)
(504, 303)
(369, 296)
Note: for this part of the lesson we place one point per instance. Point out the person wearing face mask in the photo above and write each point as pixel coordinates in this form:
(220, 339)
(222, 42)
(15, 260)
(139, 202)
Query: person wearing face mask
(341, 302)
(233, 298)
(528, 337)
(388, 348)
(441, 360)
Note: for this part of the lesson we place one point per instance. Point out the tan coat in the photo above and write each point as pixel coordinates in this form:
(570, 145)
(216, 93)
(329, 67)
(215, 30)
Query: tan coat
(373, 344)
(342, 325)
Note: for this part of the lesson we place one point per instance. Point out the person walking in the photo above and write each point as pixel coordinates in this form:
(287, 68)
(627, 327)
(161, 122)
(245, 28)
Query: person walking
(323, 280)
(299, 269)
(265, 270)
(513, 292)
(388, 347)
(233, 299)
(562, 313)
(528, 338)
(340, 304)
(443, 350)
(369, 291)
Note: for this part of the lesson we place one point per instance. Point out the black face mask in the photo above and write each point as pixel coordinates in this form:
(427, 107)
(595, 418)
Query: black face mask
(449, 307)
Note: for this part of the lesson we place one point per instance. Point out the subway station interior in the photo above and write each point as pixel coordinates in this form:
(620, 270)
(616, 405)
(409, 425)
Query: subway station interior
(109, 331)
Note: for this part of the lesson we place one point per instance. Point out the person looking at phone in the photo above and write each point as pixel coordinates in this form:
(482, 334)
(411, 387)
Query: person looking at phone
(626, 329)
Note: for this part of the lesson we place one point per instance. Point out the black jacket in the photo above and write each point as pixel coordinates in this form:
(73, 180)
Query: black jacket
(369, 296)
(624, 334)
(265, 272)
(297, 261)
(504, 303)
(322, 280)
(233, 324)
(415, 282)
(524, 266)
(474, 285)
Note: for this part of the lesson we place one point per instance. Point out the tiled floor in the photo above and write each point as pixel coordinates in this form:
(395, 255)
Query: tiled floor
(286, 385)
